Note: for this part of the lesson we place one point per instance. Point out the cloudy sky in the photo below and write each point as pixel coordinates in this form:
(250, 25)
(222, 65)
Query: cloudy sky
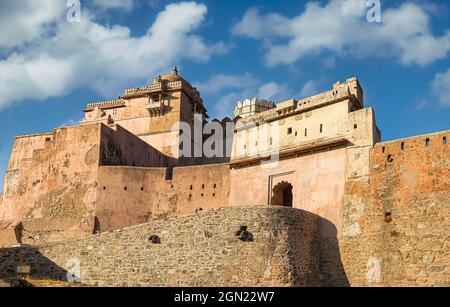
(50, 68)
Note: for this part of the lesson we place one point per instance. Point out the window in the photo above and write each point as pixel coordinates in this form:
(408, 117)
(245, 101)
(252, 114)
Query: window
(444, 140)
(355, 126)
(383, 150)
(125, 188)
(289, 131)
(427, 142)
(48, 139)
(306, 132)
(390, 158)
(155, 98)
(402, 146)
(321, 128)
(190, 188)
(271, 141)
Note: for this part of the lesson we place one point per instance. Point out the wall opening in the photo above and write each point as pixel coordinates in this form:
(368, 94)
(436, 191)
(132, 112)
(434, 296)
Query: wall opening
(402, 146)
(427, 142)
(282, 195)
(96, 229)
(390, 158)
(444, 140)
(321, 128)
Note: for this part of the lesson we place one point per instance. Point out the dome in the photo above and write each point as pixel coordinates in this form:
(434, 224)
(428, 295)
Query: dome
(173, 77)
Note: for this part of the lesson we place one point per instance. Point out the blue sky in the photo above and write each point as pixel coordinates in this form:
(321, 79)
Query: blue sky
(51, 68)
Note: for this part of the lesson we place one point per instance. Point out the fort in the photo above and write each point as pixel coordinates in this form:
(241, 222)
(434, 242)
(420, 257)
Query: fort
(300, 193)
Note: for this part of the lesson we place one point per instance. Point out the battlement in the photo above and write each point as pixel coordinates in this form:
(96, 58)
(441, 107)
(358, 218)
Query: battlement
(114, 103)
(350, 90)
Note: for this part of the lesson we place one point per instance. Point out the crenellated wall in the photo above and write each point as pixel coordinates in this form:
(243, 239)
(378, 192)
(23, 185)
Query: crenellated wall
(397, 219)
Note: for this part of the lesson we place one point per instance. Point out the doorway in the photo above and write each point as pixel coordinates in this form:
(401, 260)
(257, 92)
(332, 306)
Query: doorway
(282, 194)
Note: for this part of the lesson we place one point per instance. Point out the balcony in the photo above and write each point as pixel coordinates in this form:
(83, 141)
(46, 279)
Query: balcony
(155, 107)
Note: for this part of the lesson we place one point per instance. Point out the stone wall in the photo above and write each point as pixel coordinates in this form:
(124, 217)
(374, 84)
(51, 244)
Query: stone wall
(50, 184)
(202, 249)
(121, 147)
(397, 220)
(148, 194)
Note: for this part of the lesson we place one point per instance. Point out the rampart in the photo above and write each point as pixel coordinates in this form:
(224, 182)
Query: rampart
(240, 246)
(397, 220)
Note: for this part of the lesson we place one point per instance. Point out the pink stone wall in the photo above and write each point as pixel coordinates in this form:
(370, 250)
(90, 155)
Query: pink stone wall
(51, 180)
(133, 195)
(121, 147)
(318, 182)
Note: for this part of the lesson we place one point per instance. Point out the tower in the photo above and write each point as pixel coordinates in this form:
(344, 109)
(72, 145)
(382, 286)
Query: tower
(154, 113)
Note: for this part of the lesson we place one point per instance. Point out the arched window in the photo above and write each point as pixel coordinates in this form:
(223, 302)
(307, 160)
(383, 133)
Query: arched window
(282, 194)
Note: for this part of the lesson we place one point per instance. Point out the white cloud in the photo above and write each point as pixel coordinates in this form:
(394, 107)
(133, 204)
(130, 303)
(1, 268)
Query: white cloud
(441, 88)
(126, 5)
(27, 20)
(273, 90)
(89, 55)
(419, 106)
(221, 82)
(70, 122)
(341, 26)
(309, 89)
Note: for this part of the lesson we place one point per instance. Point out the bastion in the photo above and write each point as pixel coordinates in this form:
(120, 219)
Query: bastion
(300, 192)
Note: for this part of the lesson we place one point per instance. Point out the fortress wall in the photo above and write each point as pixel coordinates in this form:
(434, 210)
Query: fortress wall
(51, 180)
(133, 195)
(128, 195)
(318, 183)
(195, 250)
(121, 147)
(163, 142)
(396, 223)
(293, 130)
(210, 187)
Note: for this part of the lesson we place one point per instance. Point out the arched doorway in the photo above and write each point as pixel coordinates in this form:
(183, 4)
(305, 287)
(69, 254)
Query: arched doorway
(282, 194)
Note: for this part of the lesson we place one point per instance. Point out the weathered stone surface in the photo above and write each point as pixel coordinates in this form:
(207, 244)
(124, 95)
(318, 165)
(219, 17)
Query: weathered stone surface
(283, 252)
(382, 207)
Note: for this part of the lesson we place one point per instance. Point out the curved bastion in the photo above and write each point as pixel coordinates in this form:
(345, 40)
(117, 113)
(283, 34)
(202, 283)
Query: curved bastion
(235, 246)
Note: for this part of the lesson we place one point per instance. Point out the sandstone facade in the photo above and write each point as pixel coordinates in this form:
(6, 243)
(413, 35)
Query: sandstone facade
(381, 208)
